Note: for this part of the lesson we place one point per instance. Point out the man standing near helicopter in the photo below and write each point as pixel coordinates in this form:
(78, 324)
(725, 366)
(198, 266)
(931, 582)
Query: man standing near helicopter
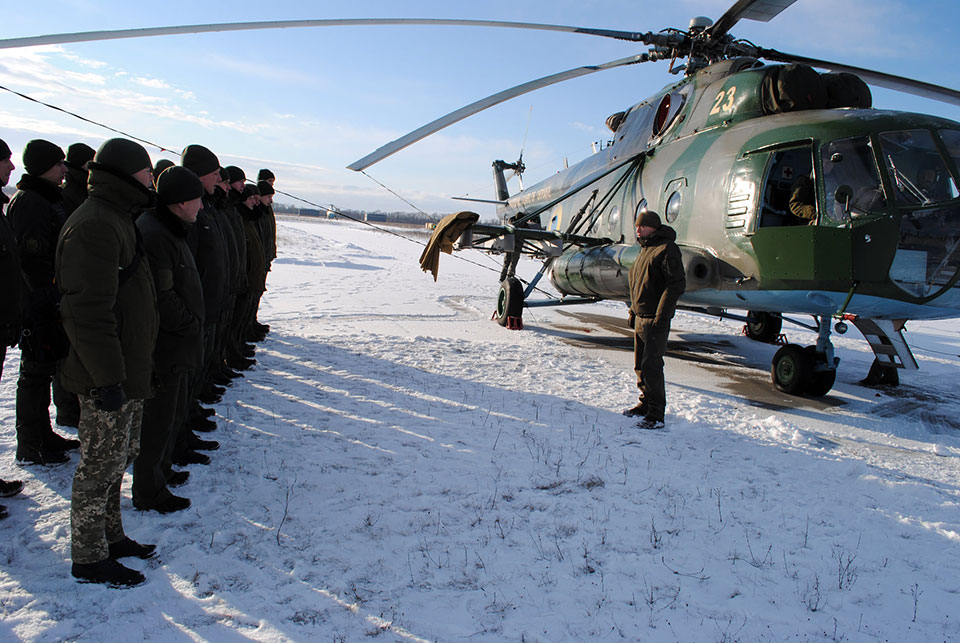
(656, 282)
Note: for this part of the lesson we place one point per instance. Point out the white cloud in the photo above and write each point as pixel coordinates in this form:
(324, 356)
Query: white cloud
(153, 83)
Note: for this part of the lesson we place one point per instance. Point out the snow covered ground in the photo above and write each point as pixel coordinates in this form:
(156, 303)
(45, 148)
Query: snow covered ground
(399, 467)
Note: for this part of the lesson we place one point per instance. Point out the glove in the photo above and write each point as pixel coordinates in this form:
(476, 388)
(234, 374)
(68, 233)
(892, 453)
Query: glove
(109, 398)
(632, 319)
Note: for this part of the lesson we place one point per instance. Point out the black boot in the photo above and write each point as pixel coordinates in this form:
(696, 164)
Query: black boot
(177, 478)
(107, 572)
(130, 548)
(168, 505)
(10, 488)
(41, 456)
(189, 457)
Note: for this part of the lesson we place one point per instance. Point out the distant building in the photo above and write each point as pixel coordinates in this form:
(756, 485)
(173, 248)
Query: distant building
(375, 216)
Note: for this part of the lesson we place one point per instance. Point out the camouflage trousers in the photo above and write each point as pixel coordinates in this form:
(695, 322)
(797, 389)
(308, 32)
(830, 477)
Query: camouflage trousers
(109, 442)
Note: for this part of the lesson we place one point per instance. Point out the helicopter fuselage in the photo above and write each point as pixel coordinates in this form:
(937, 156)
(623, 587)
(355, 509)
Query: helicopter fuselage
(703, 153)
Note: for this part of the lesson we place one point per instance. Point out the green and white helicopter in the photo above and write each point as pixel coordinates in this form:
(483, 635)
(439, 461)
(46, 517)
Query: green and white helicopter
(729, 154)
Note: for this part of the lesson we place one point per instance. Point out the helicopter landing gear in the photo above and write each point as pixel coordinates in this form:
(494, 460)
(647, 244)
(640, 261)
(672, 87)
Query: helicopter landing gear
(806, 371)
(763, 327)
(509, 311)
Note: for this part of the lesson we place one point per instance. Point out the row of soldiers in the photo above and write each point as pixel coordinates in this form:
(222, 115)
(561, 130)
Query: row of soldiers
(137, 289)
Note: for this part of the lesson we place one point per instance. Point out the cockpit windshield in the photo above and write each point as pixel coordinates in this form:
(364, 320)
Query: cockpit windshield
(850, 179)
(917, 170)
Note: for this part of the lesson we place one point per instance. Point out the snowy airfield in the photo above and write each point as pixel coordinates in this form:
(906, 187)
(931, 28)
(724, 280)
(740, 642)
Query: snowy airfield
(399, 468)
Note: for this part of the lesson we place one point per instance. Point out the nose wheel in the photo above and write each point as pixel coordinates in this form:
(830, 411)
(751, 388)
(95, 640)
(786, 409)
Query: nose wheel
(810, 370)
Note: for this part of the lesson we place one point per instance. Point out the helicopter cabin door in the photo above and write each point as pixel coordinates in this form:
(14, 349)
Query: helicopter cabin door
(794, 249)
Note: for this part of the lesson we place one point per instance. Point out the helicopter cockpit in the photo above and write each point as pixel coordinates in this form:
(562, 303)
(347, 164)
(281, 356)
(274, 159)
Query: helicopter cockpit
(850, 179)
(928, 253)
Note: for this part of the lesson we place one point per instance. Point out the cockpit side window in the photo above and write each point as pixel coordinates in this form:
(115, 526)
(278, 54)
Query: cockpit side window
(850, 179)
(917, 171)
(789, 192)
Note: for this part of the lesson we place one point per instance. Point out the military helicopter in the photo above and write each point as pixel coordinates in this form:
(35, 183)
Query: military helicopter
(722, 154)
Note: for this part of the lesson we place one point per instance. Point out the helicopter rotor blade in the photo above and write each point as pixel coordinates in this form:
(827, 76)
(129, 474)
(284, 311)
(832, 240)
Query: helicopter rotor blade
(760, 10)
(878, 78)
(88, 36)
(484, 103)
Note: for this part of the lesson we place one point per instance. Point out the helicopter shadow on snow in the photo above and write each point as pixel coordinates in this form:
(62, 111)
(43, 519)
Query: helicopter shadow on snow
(742, 369)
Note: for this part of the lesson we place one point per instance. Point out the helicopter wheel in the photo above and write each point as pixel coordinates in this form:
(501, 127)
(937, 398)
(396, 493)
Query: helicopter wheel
(791, 369)
(510, 303)
(819, 382)
(766, 327)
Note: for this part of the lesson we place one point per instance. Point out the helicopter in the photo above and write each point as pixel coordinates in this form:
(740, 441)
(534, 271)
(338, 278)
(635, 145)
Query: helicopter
(718, 152)
(722, 155)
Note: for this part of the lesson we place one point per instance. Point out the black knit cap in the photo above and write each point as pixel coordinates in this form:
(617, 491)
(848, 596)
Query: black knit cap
(5, 152)
(78, 154)
(265, 174)
(161, 165)
(122, 156)
(249, 190)
(199, 159)
(224, 175)
(236, 174)
(177, 185)
(649, 218)
(265, 188)
(40, 155)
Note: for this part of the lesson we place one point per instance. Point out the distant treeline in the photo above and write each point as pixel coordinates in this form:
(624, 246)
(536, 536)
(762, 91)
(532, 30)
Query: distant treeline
(361, 215)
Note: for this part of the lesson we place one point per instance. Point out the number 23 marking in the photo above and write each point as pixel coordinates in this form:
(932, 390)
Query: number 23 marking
(720, 106)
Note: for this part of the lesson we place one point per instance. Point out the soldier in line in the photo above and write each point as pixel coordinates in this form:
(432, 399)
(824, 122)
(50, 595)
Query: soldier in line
(233, 357)
(158, 169)
(657, 280)
(258, 331)
(256, 259)
(179, 348)
(75, 183)
(10, 294)
(209, 252)
(36, 215)
(105, 277)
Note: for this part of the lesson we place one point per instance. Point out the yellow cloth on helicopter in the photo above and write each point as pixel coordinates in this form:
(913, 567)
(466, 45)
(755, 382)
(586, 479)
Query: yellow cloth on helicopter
(446, 233)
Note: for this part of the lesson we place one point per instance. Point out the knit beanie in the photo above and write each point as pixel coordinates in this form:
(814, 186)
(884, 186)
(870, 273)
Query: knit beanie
(5, 152)
(199, 159)
(161, 165)
(649, 218)
(40, 155)
(78, 154)
(177, 185)
(265, 188)
(265, 174)
(249, 190)
(236, 174)
(224, 175)
(122, 156)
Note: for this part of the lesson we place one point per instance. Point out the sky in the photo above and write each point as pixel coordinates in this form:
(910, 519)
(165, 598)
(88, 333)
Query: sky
(308, 102)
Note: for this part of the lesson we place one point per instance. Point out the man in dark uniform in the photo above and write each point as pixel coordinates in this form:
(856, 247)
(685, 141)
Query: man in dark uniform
(36, 215)
(9, 295)
(656, 280)
(180, 341)
(109, 309)
(210, 254)
(268, 225)
(158, 169)
(75, 184)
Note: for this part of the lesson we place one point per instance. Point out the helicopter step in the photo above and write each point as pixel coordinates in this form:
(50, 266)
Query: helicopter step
(885, 337)
(806, 370)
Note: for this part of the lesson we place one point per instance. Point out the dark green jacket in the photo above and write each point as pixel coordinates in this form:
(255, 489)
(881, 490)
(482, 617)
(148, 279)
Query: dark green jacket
(112, 327)
(36, 216)
(657, 278)
(268, 233)
(256, 260)
(210, 253)
(74, 189)
(10, 284)
(179, 293)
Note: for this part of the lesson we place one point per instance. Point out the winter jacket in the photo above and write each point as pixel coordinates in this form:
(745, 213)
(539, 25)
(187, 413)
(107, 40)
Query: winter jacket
(179, 293)
(74, 189)
(656, 278)
(227, 206)
(256, 260)
(211, 258)
(112, 326)
(268, 233)
(10, 282)
(36, 216)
